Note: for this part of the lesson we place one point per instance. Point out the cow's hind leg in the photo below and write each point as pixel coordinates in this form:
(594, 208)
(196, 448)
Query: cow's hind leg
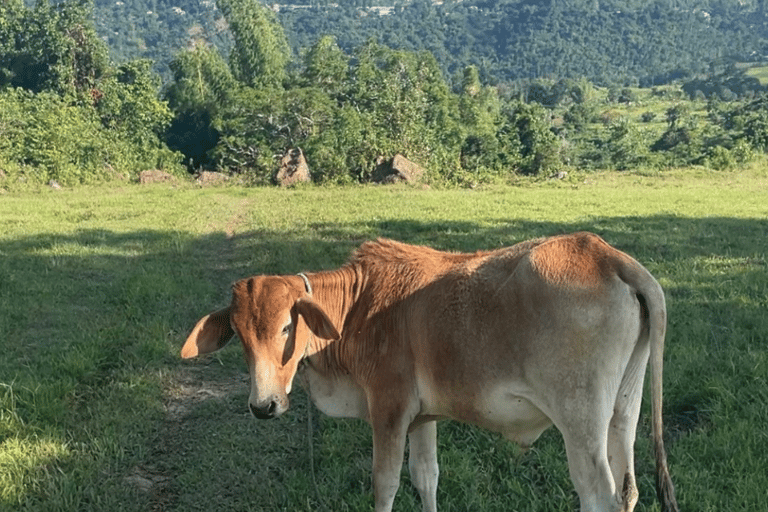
(584, 426)
(592, 477)
(623, 427)
(422, 463)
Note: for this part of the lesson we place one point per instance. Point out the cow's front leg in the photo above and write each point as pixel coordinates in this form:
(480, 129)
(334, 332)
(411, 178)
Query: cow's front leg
(422, 463)
(388, 451)
(390, 427)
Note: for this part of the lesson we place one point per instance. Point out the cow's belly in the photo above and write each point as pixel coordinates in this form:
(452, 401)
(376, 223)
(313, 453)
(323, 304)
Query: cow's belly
(501, 407)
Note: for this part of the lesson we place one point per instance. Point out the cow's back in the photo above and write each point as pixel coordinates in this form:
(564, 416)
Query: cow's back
(500, 329)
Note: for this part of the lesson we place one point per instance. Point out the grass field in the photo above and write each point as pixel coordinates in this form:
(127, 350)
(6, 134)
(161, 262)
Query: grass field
(99, 287)
(759, 72)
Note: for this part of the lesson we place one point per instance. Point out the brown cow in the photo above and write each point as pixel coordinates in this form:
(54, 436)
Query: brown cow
(550, 331)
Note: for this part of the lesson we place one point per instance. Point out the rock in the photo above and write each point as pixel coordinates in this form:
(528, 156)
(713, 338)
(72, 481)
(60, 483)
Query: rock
(211, 178)
(143, 484)
(54, 185)
(293, 169)
(114, 174)
(145, 480)
(155, 176)
(397, 169)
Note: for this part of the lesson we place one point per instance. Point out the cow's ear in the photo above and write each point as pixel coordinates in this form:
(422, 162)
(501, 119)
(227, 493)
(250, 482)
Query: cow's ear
(317, 321)
(210, 334)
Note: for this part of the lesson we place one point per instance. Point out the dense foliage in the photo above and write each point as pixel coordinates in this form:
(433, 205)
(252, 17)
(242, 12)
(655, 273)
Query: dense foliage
(66, 114)
(70, 115)
(348, 111)
(607, 41)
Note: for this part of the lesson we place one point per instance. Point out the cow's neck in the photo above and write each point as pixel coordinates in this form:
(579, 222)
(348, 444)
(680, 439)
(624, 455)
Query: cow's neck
(335, 291)
(324, 373)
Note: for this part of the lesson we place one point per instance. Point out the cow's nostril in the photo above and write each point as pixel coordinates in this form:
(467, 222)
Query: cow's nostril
(268, 411)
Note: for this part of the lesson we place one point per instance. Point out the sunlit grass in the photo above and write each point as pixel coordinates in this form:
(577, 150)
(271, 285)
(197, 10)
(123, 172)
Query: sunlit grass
(25, 465)
(759, 72)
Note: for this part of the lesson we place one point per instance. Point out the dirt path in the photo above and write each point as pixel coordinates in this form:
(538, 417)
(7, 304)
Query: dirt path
(188, 386)
(236, 220)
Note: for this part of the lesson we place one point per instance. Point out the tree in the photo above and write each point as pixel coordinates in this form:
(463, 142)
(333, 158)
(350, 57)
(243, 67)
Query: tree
(130, 103)
(260, 53)
(12, 19)
(579, 115)
(201, 80)
(234, 116)
(202, 84)
(527, 130)
(326, 66)
(626, 147)
(479, 108)
(250, 134)
(405, 100)
(750, 122)
(66, 113)
(51, 48)
(682, 141)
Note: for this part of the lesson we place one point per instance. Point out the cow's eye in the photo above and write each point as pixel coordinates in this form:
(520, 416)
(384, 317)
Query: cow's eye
(287, 330)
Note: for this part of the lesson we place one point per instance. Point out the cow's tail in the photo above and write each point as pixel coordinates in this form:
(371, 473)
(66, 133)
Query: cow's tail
(651, 297)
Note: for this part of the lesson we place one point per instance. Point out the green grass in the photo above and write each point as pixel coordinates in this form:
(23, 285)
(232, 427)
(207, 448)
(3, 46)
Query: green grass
(759, 72)
(100, 285)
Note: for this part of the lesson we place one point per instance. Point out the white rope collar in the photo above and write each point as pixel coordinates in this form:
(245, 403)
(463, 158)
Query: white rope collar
(307, 285)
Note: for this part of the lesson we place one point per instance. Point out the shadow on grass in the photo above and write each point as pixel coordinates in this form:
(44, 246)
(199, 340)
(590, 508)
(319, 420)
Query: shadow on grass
(93, 321)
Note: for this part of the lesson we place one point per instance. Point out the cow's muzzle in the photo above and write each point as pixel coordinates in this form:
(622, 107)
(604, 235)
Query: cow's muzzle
(271, 408)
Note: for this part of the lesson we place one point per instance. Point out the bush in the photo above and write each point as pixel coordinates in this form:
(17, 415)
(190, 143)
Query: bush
(530, 136)
(47, 138)
(65, 113)
(719, 158)
(579, 115)
(722, 158)
(626, 146)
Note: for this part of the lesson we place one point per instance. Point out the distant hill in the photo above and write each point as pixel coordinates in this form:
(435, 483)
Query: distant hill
(156, 29)
(615, 42)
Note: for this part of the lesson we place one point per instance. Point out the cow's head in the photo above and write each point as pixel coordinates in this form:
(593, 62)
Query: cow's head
(274, 318)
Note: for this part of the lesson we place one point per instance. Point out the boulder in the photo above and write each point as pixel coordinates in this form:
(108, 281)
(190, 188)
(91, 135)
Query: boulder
(155, 176)
(211, 178)
(397, 169)
(114, 174)
(293, 169)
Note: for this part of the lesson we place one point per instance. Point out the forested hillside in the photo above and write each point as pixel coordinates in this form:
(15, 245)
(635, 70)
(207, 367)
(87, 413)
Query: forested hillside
(157, 29)
(521, 39)
(70, 114)
(608, 42)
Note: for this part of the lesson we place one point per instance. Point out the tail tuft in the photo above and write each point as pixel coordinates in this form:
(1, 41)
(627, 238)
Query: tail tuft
(665, 489)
